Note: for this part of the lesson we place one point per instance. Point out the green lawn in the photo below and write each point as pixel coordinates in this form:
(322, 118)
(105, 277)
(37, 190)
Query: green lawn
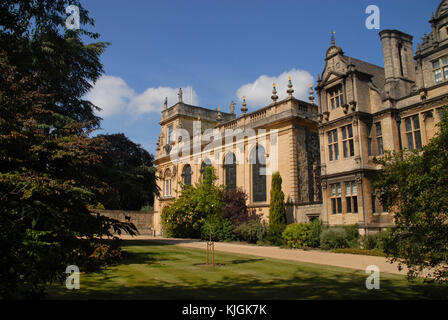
(156, 271)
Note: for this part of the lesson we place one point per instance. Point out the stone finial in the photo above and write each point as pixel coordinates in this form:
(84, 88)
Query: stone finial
(219, 115)
(180, 94)
(311, 97)
(290, 90)
(244, 108)
(274, 96)
(232, 107)
(333, 39)
(165, 103)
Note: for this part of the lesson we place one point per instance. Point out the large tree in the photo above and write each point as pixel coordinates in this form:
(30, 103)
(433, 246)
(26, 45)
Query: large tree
(45, 147)
(414, 187)
(128, 171)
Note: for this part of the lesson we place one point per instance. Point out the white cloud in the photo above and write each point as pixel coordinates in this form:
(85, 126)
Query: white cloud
(259, 92)
(114, 96)
(111, 94)
(153, 98)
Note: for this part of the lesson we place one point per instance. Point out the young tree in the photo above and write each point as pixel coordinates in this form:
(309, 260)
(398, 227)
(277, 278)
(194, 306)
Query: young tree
(185, 216)
(414, 187)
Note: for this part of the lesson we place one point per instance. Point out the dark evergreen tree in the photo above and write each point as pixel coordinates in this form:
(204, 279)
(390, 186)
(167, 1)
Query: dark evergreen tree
(277, 209)
(45, 148)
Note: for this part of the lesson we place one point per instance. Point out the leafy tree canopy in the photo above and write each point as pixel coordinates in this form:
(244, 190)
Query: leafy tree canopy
(45, 148)
(185, 216)
(128, 171)
(414, 186)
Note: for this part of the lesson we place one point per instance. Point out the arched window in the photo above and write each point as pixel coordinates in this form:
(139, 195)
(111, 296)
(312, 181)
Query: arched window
(230, 171)
(187, 175)
(205, 163)
(258, 161)
(167, 186)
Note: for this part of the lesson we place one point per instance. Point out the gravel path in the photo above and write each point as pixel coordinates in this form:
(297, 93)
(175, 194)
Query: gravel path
(351, 261)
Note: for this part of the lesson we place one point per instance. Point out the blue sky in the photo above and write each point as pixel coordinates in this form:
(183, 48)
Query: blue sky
(221, 49)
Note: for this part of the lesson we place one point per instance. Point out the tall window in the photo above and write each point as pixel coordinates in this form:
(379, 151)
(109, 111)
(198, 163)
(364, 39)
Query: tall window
(170, 134)
(379, 138)
(376, 204)
(374, 201)
(351, 197)
(258, 160)
(369, 139)
(440, 67)
(230, 170)
(336, 97)
(413, 132)
(347, 141)
(333, 146)
(187, 175)
(336, 198)
(167, 180)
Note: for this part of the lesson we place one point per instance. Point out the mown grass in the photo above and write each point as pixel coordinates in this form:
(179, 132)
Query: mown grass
(157, 271)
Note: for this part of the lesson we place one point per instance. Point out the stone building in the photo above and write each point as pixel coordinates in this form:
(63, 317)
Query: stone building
(245, 151)
(366, 109)
(324, 153)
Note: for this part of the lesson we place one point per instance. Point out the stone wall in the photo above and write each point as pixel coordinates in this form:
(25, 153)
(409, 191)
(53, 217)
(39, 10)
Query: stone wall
(144, 221)
(308, 162)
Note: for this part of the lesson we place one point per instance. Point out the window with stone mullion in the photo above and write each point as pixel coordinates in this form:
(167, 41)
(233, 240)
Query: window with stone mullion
(333, 145)
(347, 140)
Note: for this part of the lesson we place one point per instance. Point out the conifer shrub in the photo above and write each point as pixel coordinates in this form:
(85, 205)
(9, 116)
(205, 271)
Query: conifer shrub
(277, 212)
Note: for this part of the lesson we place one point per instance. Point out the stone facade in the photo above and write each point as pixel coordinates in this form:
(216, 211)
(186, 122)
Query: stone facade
(391, 108)
(287, 131)
(324, 153)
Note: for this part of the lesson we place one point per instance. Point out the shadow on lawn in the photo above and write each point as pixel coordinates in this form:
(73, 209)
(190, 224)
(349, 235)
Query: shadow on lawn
(304, 283)
(241, 261)
(230, 288)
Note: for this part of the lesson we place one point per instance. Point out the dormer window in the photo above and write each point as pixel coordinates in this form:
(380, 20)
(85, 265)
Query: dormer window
(336, 97)
(440, 68)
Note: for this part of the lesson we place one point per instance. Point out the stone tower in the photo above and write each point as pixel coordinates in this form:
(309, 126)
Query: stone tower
(399, 66)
